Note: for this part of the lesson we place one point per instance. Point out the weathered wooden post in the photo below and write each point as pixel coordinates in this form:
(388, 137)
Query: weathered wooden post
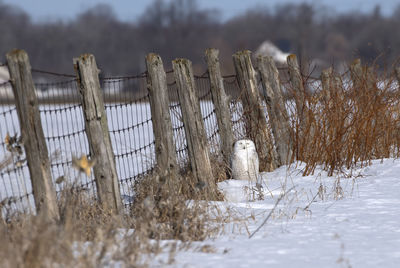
(330, 87)
(327, 84)
(32, 134)
(356, 73)
(397, 74)
(193, 123)
(256, 123)
(278, 117)
(361, 76)
(97, 132)
(331, 84)
(221, 103)
(162, 126)
(298, 89)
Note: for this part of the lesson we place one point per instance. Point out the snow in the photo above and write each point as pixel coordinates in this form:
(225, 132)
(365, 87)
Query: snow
(355, 222)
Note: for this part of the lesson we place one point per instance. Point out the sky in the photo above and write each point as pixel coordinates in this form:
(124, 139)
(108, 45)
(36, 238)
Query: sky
(129, 10)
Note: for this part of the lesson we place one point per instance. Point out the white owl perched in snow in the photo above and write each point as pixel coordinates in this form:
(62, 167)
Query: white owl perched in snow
(244, 161)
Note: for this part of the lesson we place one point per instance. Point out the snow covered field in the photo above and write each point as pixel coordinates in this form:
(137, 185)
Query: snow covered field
(348, 220)
(320, 223)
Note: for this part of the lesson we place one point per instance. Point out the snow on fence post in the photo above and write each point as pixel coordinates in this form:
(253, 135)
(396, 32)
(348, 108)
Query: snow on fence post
(278, 117)
(97, 132)
(32, 135)
(298, 88)
(256, 124)
(199, 155)
(162, 126)
(221, 103)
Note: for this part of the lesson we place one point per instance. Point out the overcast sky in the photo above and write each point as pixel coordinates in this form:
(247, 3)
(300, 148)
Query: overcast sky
(128, 10)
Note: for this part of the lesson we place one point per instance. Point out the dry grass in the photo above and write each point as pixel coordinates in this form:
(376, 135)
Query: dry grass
(348, 124)
(85, 236)
(88, 236)
(173, 207)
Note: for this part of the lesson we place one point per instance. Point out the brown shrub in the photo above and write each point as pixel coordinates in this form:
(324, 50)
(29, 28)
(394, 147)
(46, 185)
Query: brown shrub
(348, 123)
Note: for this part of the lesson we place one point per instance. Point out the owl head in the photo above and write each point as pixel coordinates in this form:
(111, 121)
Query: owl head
(244, 145)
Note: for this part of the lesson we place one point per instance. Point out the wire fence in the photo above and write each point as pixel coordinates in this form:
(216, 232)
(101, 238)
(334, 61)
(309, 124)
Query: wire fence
(131, 132)
(130, 126)
(236, 109)
(64, 130)
(208, 113)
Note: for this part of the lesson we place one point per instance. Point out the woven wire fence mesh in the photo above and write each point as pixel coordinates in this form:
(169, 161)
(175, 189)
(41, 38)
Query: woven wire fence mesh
(208, 112)
(131, 131)
(233, 91)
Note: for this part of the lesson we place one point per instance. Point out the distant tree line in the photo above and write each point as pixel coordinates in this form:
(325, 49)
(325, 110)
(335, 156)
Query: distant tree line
(178, 28)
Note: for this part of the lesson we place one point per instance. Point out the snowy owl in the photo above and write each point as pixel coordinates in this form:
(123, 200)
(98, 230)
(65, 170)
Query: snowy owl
(244, 161)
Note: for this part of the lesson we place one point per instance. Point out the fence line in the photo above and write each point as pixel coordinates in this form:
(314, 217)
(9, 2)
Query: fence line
(65, 134)
(126, 101)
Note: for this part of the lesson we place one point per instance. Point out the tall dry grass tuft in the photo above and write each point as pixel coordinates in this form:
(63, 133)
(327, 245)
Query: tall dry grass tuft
(33, 242)
(82, 216)
(348, 120)
(176, 207)
(85, 236)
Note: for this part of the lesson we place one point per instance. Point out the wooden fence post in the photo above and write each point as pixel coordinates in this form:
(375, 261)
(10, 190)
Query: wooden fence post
(97, 132)
(356, 73)
(32, 134)
(327, 77)
(397, 74)
(256, 122)
(162, 126)
(193, 123)
(221, 103)
(277, 113)
(296, 82)
(361, 76)
(331, 84)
